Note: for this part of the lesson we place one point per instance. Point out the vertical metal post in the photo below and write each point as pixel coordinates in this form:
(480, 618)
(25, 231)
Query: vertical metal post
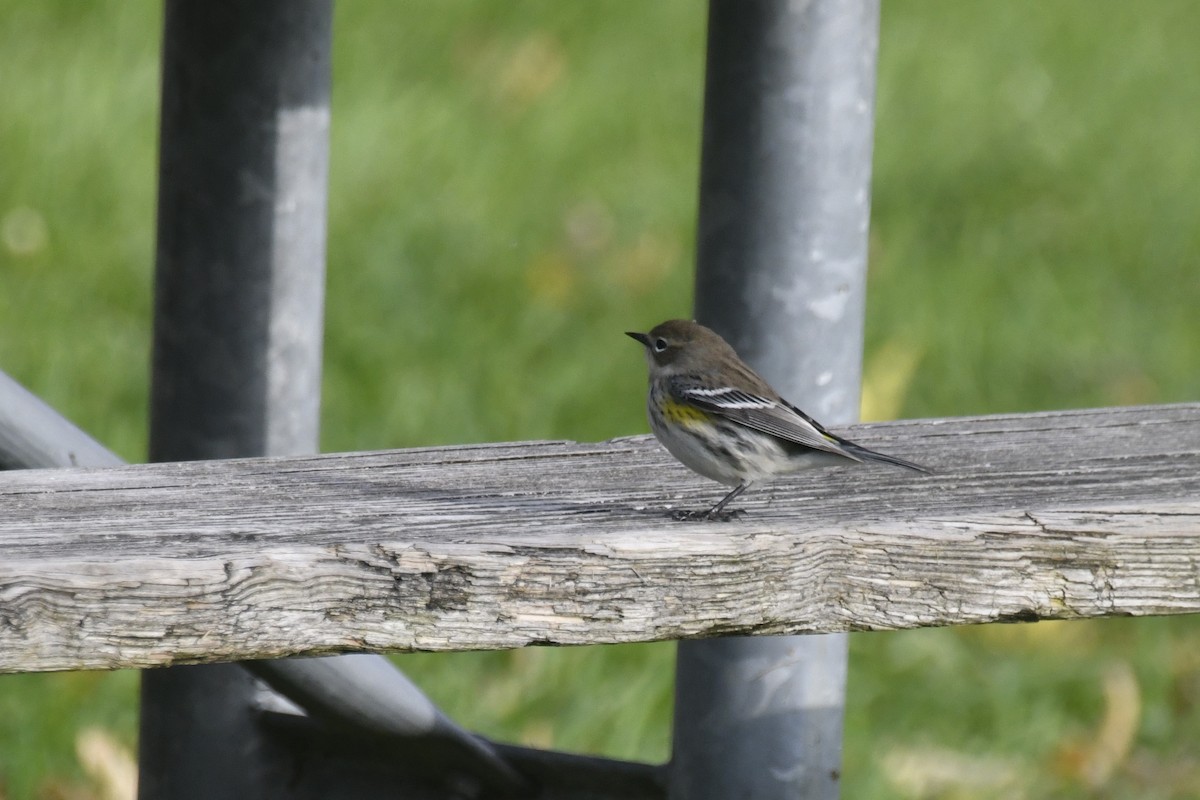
(781, 269)
(239, 291)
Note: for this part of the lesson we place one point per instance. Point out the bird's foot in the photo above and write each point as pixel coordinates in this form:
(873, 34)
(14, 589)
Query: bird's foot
(706, 515)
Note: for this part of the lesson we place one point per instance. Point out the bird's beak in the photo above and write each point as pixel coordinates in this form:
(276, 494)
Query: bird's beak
(644, 338)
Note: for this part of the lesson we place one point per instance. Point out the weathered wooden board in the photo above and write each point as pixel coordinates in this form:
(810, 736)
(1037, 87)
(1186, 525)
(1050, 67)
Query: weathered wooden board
(1060, 515)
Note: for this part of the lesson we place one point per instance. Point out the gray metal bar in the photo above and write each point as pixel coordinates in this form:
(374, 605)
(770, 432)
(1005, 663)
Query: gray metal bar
(236, 368)
(365, 695)
(33, 435)
(325, 766)
(361, 701)
(238, 302)
(358, 695)
(781, 270)
(239, 286)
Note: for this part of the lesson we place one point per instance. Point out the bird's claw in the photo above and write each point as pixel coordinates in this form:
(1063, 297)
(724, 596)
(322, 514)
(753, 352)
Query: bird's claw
(708, 515)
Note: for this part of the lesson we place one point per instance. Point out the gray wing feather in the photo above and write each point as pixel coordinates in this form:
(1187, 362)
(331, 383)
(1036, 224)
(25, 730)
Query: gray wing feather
(762, 414)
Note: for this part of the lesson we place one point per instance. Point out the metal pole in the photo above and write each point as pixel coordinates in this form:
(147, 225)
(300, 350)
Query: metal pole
(353, 697)
(236, 372)
(781, 269)
(33, 435)
(239, 295)
(239, 286)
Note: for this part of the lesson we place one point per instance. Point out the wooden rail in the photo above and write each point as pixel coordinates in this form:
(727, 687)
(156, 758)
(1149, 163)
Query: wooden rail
(1035, 516)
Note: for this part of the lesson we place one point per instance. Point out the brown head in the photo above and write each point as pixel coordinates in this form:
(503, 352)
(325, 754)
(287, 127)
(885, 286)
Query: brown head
(680, 345)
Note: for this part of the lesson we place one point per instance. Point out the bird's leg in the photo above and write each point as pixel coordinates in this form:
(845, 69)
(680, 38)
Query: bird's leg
(715, 511)
(718, 511)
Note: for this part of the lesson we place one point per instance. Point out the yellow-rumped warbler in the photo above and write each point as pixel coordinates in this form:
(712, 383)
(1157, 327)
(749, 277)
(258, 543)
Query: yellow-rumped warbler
(722, 420)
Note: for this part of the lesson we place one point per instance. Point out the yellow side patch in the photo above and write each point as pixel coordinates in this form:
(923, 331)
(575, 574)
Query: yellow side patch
(683, 414)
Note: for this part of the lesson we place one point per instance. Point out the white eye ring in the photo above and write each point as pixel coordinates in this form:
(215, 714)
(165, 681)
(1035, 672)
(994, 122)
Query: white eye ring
(660, 345)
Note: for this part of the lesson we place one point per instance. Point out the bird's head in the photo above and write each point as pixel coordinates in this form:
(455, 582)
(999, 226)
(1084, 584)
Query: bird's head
(680, 345)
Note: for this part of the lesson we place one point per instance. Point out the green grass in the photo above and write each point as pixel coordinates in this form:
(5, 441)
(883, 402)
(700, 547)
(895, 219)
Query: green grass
(513, 185)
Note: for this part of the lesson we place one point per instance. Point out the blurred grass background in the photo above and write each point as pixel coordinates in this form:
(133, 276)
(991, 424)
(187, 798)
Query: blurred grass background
(513, 185)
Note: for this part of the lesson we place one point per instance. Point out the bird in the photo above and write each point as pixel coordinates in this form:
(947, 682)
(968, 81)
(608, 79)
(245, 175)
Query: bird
(721, 419)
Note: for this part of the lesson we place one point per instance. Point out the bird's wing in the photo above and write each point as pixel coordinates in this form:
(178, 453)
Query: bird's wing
(776, 417)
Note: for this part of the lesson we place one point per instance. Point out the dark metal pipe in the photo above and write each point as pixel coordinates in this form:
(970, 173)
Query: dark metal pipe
(240, 269)
(238, 303)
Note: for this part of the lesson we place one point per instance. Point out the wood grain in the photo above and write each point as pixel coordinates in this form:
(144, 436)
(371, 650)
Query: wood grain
(1035, 516)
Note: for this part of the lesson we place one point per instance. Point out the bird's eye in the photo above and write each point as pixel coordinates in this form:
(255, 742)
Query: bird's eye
(660, 345)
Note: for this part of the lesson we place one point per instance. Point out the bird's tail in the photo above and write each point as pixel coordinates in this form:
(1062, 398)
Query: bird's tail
(870, 455)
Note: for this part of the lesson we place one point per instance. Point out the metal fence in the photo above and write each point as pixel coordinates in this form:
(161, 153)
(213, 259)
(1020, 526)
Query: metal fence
(237, 349)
